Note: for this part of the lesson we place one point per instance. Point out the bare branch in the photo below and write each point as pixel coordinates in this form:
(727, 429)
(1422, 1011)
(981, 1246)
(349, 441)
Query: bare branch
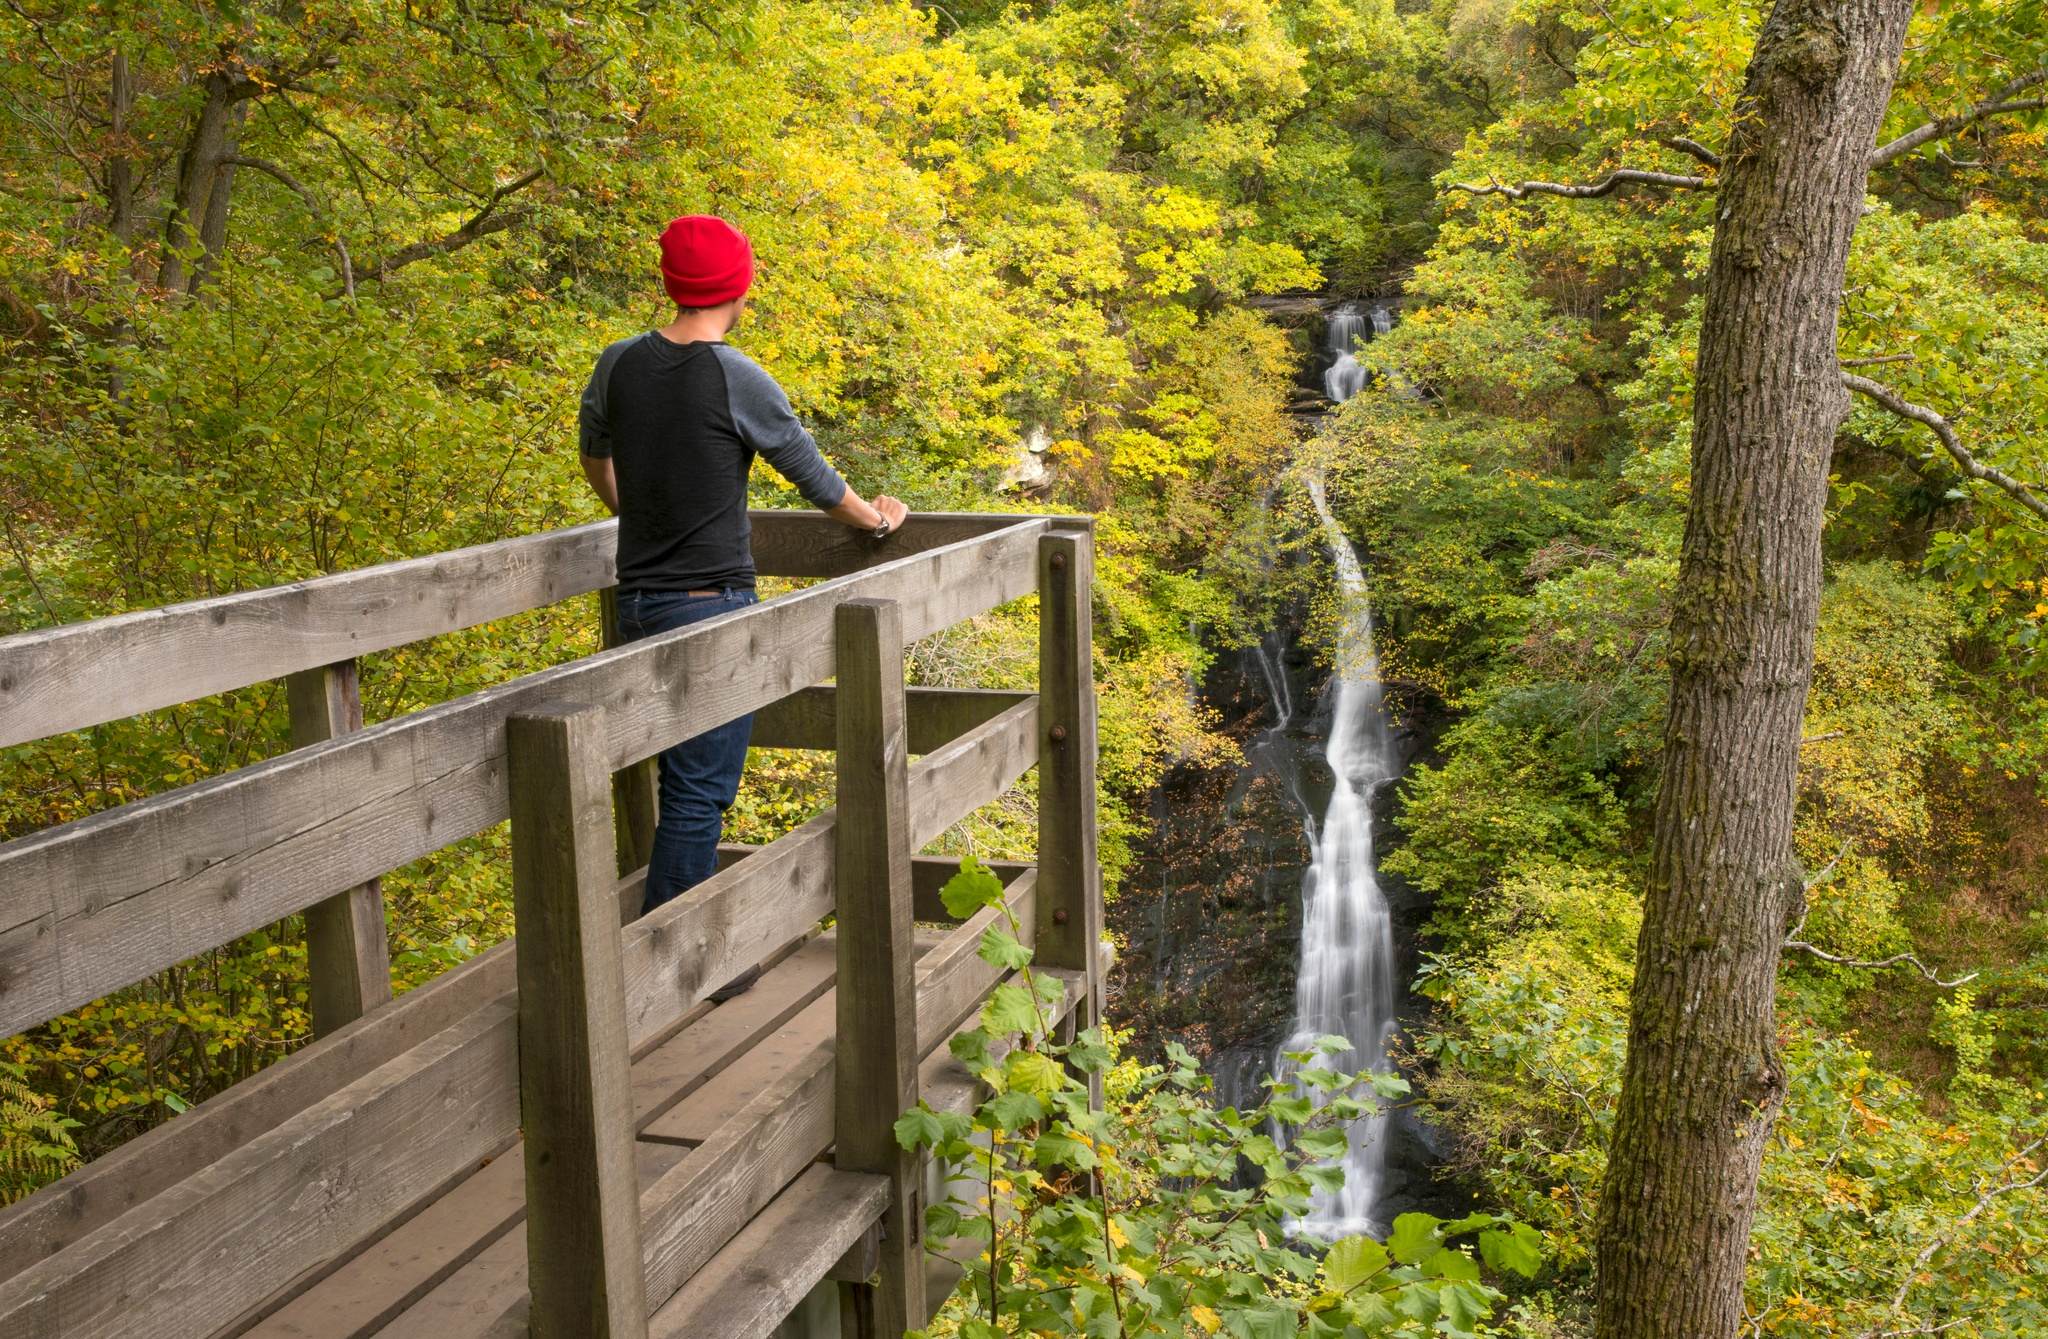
(1941, 127)
(1693, 148)
(1912, 959)
(481, 224)
(1621, 176)
(1946, 435)
(2010, 1185)
(313, 206)
(1880, 358)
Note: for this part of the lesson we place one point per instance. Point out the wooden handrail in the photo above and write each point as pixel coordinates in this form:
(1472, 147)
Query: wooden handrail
(93, 905)
(85, 674)
(452, 1100)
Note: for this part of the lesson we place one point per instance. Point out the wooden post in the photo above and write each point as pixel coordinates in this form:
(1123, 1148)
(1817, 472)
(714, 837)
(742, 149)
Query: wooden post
(1069, 871)
(348, 958)
(636, 789)
(575, 1096)
(875, 1078)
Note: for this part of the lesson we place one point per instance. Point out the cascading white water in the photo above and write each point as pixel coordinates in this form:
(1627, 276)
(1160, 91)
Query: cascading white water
(1345, 985)
(1345, 378)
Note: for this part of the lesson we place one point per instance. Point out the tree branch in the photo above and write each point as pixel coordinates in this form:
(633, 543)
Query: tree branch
(2010, 1185)
(1943, 126)
(1621, 176)
(313, 206)
(1946, 435)
(1801, 946)
(480, 225)
(1692, 148)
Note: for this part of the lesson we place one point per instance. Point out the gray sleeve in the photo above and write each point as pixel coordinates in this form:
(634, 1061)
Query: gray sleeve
(593, 422)
(767, 424)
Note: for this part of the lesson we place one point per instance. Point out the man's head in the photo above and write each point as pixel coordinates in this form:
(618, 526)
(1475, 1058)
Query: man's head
(707, 265)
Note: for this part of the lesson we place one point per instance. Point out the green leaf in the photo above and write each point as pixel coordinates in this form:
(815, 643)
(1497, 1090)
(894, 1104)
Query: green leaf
(1014, 1110)
(918, 1127)
(1009, 1009)
(1518, 1249)
(1088, 1053)
(1414, 1237)
(970, 890)
(1000, 948)
(970, 1048)
(1057, 1148)
(1033, 1073)
(1352, 1261)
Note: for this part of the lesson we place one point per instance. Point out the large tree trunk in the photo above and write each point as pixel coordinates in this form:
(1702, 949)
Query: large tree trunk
(198, 172)
(1703, 1081)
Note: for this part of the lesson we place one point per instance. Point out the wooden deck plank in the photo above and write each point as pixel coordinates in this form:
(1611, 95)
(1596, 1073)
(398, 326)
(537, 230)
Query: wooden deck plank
(468, 1301)
(139, 1170)
(761, 1275)
(200, 1254)
(400, 1268)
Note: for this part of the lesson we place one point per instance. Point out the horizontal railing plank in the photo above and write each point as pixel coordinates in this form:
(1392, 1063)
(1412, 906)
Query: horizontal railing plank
(85, 674)
(197, 1256)
(928, 875)
(702, 1203)
(934, 717)
(93, 905)
(103, 1190)
(672, 960)
(681, 952)
(764, 1272)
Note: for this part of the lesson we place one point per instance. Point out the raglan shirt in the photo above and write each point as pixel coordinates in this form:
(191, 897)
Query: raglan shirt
(682, 424)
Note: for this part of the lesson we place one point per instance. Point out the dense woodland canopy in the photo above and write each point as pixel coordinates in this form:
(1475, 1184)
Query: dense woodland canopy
(293, 288)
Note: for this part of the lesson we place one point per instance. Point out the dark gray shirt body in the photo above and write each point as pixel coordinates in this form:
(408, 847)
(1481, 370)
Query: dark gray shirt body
(682, 424)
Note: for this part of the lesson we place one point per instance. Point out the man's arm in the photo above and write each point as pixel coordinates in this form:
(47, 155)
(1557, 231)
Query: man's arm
(765, 421)
(604, 481)
(594, 429)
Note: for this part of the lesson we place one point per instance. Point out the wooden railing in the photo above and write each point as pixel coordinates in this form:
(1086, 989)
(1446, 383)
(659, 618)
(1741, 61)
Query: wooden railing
(200, 1226)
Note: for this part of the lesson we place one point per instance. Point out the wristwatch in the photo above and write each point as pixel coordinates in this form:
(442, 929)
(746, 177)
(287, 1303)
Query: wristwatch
(881, 531)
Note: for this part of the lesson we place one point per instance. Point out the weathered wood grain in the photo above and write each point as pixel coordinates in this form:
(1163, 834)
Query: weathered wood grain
(636, 787)
(348, 958)
(1069, 872)
(405, 1264)
(96, 904)
(685, 949)
(807, 720)
(103, 1190)
(875, 1079)
(575, 1094)
(761, 1275)
(83, 674)
(203, 1252)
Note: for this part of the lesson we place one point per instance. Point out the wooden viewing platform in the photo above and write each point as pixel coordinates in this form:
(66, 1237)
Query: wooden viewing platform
(561, 1136)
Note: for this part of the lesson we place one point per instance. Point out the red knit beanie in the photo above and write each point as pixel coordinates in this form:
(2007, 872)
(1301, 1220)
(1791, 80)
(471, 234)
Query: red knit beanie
(705, 261)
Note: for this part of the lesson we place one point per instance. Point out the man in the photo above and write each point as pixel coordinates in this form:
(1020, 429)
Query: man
(671, 422)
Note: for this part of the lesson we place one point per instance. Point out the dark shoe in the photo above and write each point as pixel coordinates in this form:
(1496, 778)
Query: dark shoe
(736, 987)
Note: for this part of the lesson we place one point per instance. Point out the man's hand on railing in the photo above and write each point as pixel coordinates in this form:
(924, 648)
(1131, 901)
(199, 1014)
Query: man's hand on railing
(882, 518)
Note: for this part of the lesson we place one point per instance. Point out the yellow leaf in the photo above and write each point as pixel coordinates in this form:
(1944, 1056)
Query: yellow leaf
(1116, 1235)
(1207, 1319)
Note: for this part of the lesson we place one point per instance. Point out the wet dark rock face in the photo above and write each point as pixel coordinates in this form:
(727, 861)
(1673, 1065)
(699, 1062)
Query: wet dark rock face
(1210, 917)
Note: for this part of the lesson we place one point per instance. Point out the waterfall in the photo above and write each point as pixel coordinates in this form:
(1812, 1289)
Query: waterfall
(1345, 378)
(1345, 985)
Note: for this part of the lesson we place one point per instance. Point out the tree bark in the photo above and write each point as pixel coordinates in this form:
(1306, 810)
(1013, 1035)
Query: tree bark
(198, 170)
(1703, 1081)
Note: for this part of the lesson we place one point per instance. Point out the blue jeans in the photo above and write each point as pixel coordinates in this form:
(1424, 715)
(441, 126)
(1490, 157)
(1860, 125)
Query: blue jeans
(700, 776)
